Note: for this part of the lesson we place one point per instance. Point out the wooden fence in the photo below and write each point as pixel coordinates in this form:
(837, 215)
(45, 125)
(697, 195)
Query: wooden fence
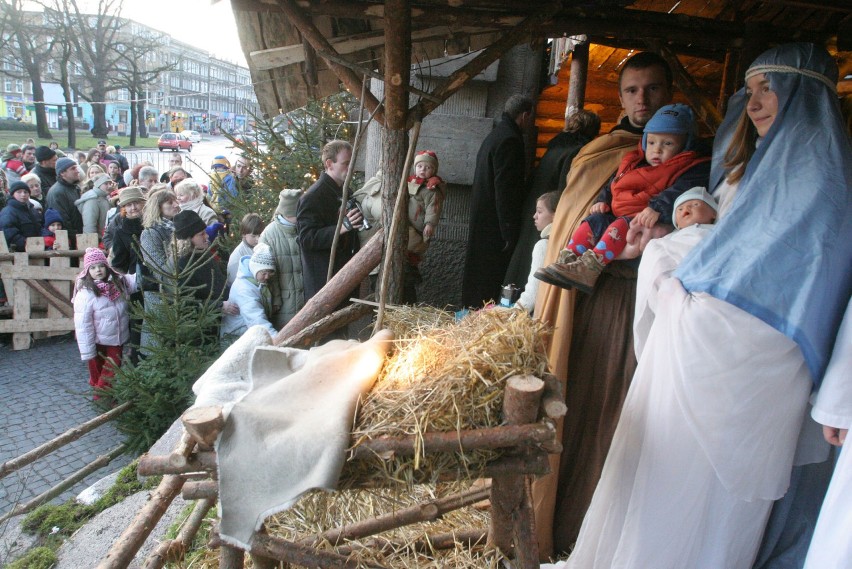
(38, 287)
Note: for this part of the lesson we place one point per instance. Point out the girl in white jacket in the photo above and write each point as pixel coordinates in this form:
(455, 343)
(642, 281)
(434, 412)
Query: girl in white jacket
(101, 316)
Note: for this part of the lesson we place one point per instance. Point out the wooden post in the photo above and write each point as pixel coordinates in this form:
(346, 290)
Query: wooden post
(336, 289)
(397, 23)
(21, 340)
(64, 287)
(577, 80)
(511, 507)
(203, 424)
(231, 557)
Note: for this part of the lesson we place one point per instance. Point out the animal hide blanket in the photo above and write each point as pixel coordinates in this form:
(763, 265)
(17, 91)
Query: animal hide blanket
(288, 433)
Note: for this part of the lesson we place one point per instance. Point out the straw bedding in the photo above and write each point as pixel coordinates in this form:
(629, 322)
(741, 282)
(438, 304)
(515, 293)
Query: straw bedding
(443, 376)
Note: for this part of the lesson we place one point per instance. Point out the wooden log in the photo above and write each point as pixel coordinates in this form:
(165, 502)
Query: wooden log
(69, 482)
(456, 441)
(489, 55)
(415, 514)
(36, 325)
(469, 538)
(508, 493)
(553, 399)
(303, 555)
(53, 296)
(200, 490)
(577, 81)
(526, 539)
(124, 549)
(326, 325)
(310, 33)
(203, 424)
(179, 456)
(172, 550)
(58, 442)
(231, 557)
(336, 289)
(201, 461)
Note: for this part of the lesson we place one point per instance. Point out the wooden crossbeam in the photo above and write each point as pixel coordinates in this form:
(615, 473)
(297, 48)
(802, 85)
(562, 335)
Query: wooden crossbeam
(53, 296)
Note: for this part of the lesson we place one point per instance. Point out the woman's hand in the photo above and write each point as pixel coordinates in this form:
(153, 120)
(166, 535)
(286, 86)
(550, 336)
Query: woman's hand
(599, 207)
(834, 436)
(647, 218)
(231, 308)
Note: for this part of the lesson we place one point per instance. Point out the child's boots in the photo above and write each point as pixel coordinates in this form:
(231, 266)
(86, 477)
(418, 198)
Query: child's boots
(581, 274)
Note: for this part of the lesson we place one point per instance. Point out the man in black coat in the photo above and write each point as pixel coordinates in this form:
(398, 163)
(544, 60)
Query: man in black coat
(316, 218)
(46, 167)
(62, 196)
(550, 175)
(495, 207)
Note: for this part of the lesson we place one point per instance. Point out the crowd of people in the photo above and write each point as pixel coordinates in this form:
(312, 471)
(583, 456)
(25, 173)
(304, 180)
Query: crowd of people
(696, 289)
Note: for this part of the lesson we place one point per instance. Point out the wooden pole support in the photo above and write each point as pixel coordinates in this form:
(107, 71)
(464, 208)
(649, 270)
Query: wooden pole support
(203, 424)
(302, 555)
(553, 399)
(415, 514)
(178, 458)
(520, 404)
(200, 490)
(172, 550)
(231, 557)
(125, 547)
(202, 461)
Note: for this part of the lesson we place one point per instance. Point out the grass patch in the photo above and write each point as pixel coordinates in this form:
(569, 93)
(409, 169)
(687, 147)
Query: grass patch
(85, 140)
(52, 520)
(38, 558)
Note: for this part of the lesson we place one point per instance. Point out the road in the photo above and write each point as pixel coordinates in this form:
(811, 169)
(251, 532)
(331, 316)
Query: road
(196, 162)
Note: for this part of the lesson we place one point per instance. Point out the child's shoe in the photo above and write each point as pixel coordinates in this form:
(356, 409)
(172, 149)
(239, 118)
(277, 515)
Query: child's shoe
(566, 256)
(582, 274)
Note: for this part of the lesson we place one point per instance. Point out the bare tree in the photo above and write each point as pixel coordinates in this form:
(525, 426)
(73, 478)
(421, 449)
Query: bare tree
(28, 49)
(62, 56)
(138, 69)
(95, 39)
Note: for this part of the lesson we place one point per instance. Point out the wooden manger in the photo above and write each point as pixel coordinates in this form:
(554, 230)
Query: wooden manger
(530, 407)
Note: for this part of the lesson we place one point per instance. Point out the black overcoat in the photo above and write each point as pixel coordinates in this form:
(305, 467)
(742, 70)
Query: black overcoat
(316, 218)
(495, 212)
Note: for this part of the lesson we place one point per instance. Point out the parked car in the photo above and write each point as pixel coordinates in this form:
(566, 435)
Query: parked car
(246, 139)
(192, 135)
(174, 142)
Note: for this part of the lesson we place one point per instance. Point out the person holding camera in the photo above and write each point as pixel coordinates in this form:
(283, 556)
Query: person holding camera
(316, 218)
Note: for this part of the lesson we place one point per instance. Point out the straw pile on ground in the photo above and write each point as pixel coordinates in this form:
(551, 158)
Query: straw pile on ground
(400, 548)
(443, 376)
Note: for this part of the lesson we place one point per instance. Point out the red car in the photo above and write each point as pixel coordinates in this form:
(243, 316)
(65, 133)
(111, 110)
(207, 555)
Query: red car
(174, 142)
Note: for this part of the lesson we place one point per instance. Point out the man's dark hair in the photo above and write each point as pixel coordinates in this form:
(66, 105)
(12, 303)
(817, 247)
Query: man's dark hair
(516, 105)
(644, 60)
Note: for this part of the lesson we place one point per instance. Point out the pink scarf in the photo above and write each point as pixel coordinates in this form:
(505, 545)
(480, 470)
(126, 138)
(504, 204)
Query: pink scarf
(108, 289)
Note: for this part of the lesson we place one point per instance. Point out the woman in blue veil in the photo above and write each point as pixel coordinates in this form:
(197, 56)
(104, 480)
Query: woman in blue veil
(740, 334)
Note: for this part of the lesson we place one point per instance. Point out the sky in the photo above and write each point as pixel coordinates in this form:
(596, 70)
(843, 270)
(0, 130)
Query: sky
(199, 23)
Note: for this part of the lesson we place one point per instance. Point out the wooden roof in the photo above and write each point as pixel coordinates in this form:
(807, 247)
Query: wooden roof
(704, 34)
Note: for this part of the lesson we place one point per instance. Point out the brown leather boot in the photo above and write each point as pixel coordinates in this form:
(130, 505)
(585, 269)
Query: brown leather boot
(582, 274)
(566, 256)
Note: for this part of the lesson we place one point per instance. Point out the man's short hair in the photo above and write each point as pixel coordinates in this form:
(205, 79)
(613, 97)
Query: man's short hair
(26, 147)
(244, 159)
(516, 105)
(251, 224)
(148, 172)
(333, 148)
(644, 60)
(584, 122)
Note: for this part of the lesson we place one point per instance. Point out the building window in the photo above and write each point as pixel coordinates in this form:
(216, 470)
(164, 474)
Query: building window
(8, 85)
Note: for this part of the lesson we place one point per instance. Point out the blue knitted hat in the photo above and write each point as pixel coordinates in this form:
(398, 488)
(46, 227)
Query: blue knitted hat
(674, 119)
(52, 216)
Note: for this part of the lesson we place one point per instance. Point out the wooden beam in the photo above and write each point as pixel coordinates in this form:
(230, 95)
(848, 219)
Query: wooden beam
(701, 103)
(309, 31)
(577, 80)
(489, 55)
(52, 296)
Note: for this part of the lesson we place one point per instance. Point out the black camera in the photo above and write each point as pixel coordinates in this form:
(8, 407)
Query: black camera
(353, 204)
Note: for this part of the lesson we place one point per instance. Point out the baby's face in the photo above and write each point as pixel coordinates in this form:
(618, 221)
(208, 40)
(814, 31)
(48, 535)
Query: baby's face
(693, 212)
(661, 147)
(424, 170)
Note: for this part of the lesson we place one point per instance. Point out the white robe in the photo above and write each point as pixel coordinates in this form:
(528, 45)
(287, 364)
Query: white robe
(831, 547)
(706, 438)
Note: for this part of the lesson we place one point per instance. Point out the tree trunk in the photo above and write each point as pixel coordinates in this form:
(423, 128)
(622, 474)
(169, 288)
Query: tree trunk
(141, 115)
(40, 113)
(133, 112)
(69, 110)
(99, 128)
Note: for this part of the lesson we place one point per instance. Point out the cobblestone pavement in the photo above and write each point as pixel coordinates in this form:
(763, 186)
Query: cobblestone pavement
(44, 391)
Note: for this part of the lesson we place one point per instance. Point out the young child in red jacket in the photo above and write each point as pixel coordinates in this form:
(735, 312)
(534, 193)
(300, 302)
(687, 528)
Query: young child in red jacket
(644, 189)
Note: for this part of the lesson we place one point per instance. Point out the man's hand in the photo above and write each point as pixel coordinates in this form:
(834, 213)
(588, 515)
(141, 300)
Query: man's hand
(638, 237)
(647, 218)
(428, 231)
(599, 207)
(355, 221)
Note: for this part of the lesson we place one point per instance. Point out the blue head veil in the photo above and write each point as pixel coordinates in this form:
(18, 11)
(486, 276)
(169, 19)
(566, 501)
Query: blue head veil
(783, 252)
